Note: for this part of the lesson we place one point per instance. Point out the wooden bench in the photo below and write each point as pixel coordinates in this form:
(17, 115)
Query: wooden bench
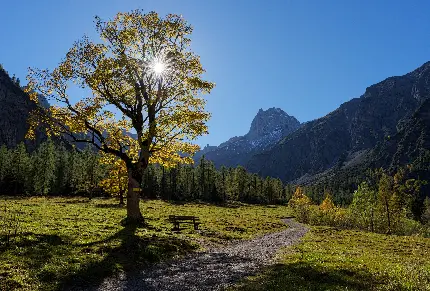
(176, 220)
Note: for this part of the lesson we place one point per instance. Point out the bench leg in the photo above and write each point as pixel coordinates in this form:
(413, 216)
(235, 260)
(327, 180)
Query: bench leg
(176, 226)
(196, 226)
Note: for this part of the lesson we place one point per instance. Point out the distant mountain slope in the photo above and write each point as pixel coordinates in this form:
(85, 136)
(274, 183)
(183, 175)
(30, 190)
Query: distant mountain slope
(267, 128)
(346, 133)
(15, 106)
(412, 141)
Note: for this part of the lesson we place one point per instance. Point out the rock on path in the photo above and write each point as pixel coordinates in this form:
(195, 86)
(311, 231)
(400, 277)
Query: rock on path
(211, 270)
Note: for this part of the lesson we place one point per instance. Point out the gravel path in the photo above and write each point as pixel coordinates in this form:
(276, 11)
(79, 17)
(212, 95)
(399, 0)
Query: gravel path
(211, 270)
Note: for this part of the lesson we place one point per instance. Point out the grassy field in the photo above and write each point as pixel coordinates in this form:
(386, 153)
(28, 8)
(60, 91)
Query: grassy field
(332, 259)
(75, 240)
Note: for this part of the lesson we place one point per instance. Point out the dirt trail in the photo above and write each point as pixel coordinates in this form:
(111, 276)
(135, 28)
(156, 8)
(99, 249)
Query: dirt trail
(211, 270)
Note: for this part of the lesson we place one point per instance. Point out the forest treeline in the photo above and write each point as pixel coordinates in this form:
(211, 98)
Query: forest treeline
(53, 169)
(56, 170)
(49, 170)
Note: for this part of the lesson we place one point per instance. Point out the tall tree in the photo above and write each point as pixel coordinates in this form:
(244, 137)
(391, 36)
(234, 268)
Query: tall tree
(5, 164)
(44, 168)
(385, 194)
(62, 173)
(239, 183)
(144, 68)
(201, 175)
(20, 169)
(363, 206)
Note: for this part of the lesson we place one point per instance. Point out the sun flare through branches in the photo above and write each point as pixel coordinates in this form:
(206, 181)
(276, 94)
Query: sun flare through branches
(142, 67)
(160, 66)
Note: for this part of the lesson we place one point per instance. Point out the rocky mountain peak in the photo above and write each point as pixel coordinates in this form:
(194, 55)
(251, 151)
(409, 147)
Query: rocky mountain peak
(268, 127)
(271, 120)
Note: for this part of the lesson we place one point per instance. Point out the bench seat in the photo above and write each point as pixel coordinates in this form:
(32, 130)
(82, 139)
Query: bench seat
(178, 219)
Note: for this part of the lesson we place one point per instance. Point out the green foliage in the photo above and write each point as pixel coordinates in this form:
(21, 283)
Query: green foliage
(44, 173)
(205, 183)
(426, 213)
(333, 259)
(386, 202)
(363, 207)
(301, 205)
(73, 240)
(49, 170)
(20, 170)
(378, 210)
(87, 171)
(5, 164)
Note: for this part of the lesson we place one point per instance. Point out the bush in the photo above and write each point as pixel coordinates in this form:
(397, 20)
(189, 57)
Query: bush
(301, 205)
(409, 227)
(338, 217)
(363, 213)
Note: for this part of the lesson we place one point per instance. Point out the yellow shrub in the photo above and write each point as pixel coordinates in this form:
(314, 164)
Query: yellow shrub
(327, 205)
(300, 203)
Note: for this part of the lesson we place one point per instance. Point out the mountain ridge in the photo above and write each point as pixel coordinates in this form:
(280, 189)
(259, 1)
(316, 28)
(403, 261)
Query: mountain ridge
(14, 111)
(355, 126)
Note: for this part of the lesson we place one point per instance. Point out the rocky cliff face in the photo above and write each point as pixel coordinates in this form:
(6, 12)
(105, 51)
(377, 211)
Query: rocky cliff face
(342, 135)
(14, 109)
(270, 125)
(267, 128)
(410, 143)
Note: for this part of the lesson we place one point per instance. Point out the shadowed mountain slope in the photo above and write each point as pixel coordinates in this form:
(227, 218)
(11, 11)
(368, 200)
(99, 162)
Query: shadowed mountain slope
(267, 128)
(344, 135)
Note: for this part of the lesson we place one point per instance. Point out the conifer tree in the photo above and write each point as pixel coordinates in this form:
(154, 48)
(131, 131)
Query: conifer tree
(211, 174)
(44, 168)
(239, 184)
(5, 164)
(222, 183)
(20, 169)
(201, 174)
(62, 181)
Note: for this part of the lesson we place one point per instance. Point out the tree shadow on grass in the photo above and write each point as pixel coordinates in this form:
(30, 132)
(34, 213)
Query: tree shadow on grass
(130, 254)
(35, 250)
(303, 276)
(39, 246)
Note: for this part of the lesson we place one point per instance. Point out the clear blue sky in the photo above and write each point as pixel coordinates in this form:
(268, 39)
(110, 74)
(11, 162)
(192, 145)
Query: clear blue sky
(306, 57)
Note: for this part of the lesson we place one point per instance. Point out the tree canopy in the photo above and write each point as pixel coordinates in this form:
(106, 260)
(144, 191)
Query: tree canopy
(143, 78)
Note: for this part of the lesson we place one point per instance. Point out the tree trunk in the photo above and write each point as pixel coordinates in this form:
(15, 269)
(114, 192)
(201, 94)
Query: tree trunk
(133, 196)
(121, 190)
(121, 198)
(387, 209)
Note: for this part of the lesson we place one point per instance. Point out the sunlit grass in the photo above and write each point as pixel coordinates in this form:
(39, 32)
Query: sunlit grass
(64, 240)
(332, 259)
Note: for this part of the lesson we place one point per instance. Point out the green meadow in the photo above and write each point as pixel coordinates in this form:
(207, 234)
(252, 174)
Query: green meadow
(60, 241)
(64, 240)
(335, 259)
